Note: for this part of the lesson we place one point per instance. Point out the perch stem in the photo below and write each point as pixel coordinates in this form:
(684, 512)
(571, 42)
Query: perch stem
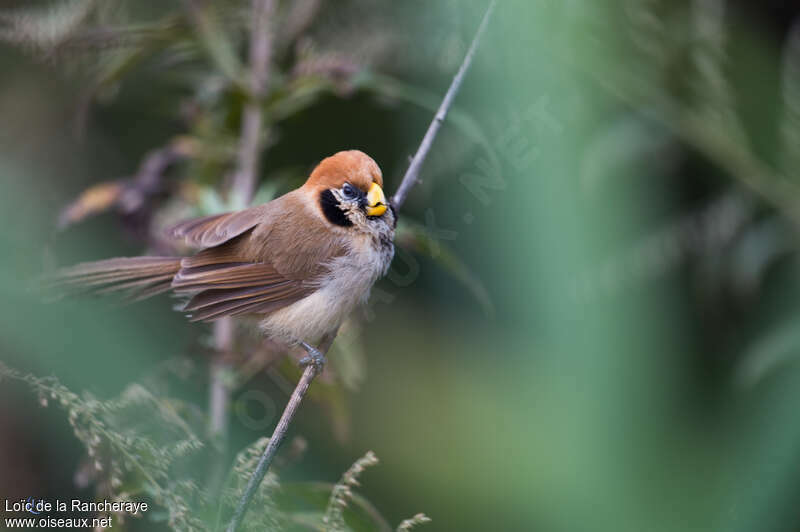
(272, 447)
(277, 438)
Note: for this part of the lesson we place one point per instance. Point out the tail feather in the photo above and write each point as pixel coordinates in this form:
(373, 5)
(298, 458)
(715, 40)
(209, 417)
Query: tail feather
(133, 277)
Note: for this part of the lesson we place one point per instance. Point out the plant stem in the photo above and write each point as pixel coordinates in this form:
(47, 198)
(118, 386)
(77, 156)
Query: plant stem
(412, 174)
(223, 342)
(409, 180)
(278, 436)
(243, 187)
(244, 181)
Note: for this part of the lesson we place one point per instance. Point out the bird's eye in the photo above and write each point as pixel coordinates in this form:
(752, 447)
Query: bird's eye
(349, 191)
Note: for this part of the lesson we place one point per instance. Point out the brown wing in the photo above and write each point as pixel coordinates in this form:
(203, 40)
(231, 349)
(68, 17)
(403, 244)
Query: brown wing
(214, 230)
(295, 238)
(221, 287)
(260, 263)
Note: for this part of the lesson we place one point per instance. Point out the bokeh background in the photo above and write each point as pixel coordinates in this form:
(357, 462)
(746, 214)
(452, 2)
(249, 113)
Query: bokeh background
(590, 323)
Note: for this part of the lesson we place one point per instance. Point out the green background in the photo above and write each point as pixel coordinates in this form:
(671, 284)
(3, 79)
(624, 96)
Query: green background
(617, 185)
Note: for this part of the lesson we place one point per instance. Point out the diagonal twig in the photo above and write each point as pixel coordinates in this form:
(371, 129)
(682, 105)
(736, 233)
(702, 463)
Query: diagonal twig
(409, 180)
(412, 174)
(277, 438)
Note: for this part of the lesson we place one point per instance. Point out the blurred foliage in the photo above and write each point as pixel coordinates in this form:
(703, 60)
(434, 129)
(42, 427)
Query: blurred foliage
(621, 178)
(133, 455)
(130, 452)
(196, 46)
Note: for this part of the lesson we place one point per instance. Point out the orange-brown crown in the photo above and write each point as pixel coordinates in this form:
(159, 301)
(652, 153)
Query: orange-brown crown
(351, 166)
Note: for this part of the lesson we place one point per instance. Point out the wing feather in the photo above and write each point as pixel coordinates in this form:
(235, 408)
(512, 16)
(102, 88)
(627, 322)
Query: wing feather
(217, 229)
(225, 288)
(257, 260)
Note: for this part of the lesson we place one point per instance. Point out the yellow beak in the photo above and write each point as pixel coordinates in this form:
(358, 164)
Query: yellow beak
(376, 201)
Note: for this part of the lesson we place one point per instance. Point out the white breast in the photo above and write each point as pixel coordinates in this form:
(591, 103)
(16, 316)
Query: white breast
(347, 284)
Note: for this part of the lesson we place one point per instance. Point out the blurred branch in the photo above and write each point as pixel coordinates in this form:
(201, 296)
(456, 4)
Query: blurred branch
(128, 195)
(252, 118)
(219, 392)
(243, 188)
(412, 174)
(409, 180)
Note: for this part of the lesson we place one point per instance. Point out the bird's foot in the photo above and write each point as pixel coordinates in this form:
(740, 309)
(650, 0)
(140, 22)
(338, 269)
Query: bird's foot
(314, 358)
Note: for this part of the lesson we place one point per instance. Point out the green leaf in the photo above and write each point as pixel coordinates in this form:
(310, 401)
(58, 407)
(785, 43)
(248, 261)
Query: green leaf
(215, 40)
(779, 347)
(297, 96)
(415, 237)
(349, 358)
(44, 27)
(210, 202)
(266, 192)
(790, 121)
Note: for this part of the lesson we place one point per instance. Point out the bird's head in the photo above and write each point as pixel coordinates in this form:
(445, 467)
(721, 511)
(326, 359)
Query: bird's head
(349, 189)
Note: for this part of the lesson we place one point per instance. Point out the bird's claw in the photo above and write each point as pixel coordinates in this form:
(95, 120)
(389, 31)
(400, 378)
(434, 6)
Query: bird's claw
(314, 358)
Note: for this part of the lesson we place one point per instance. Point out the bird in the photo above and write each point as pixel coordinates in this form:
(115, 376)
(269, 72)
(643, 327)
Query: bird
(301, 262)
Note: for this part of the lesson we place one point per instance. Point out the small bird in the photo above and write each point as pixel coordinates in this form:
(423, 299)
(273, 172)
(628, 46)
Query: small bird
(301, 262)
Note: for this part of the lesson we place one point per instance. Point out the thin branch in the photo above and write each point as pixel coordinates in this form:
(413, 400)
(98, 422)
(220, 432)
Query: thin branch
(243, 187)
(218, 392)
(412, 174)
(277, 438)
(244, 181)
(272, 447)
(409, 180)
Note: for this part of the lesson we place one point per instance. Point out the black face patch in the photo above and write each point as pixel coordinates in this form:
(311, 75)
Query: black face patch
(394, 215)
(331, 209)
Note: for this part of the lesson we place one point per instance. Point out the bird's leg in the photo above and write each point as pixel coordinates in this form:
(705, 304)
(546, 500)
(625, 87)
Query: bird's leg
(314, 357)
